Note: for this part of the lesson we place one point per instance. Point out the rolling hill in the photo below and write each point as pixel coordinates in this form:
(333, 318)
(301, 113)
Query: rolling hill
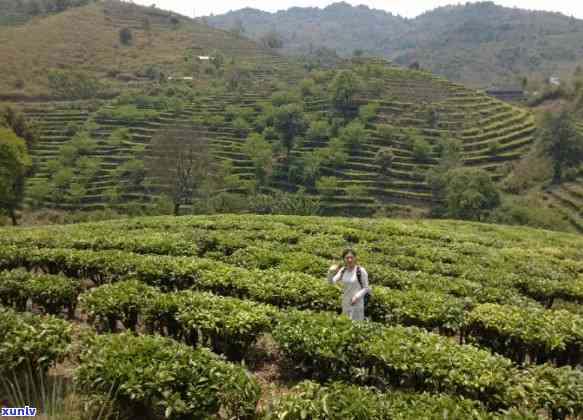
(88, 39)
(479, 44)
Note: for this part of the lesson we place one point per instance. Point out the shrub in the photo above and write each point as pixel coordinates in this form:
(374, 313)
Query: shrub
(384, 158)
(166, 378)
(32, 341)
(241, 127)
(229, 325)
(74, 84)
(528, 211)
(328, 346)
(353, 135)
(342, 401)
(122, 301)
(367, 113)
(327, 185)
(355, 191)
(421, 149)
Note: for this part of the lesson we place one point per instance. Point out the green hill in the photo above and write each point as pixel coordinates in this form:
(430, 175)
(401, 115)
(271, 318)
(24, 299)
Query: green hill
(479, 44)
(88, 39)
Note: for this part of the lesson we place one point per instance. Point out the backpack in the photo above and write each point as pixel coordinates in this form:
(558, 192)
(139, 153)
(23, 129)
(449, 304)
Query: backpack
(359, 277)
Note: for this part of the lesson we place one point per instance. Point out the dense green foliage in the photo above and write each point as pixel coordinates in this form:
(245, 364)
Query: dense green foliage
(164, 377)
(31, 341)
(340, 401)
(52, 293)
(476, 311)
(562, 142)
(15, 163)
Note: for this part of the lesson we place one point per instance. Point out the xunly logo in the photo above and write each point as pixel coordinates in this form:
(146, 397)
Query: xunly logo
(18, 412)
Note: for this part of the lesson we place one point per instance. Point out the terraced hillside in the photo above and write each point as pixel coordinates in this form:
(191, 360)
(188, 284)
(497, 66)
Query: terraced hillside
(567, 199)
(466, 320)
(411, 107)
(409, 104)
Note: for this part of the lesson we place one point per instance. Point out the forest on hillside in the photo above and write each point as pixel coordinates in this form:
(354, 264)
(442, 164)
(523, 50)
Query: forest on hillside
(480, 44)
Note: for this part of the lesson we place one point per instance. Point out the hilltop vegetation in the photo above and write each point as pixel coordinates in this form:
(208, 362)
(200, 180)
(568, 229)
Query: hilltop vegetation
(478, 44)
(471, 321)
(15, 12)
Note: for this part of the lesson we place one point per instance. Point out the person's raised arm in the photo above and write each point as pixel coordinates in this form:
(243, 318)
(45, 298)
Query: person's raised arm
(334, 273)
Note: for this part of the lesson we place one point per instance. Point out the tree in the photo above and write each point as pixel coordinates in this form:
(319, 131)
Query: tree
(76, 193)
(561, 141)
(367, 113)
(21, 126)
(384, 158)
(311, 165)
(319, 129)
(272, 40)
(421, 149)
(334, 154)
(181, 163)
(470, 194)
(289, 121)
(148, 29)
(125, 36)
(450, 158)
(261, 153)
(327, 186)
(15, 164)
(345, 87)
(353, 135)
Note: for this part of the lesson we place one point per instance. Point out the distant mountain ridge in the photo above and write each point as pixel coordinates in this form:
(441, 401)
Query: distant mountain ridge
(478, 44)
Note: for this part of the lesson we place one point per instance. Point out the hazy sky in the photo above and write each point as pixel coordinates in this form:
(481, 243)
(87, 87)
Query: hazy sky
(407, 8)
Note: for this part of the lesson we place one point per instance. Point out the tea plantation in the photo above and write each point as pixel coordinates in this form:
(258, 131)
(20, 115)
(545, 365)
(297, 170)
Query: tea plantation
(409, 113)
(467, 321)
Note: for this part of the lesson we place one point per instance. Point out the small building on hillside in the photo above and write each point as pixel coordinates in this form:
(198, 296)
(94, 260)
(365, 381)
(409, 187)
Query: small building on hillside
(555, 81)
(507, 94)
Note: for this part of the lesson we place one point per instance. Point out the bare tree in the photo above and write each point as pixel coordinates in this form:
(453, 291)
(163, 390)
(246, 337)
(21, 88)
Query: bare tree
(180, 162)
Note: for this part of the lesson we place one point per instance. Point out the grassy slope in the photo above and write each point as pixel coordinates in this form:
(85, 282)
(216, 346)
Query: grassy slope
(88, 38)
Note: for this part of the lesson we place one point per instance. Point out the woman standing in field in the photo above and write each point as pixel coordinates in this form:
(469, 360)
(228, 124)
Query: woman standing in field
(354, 280)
